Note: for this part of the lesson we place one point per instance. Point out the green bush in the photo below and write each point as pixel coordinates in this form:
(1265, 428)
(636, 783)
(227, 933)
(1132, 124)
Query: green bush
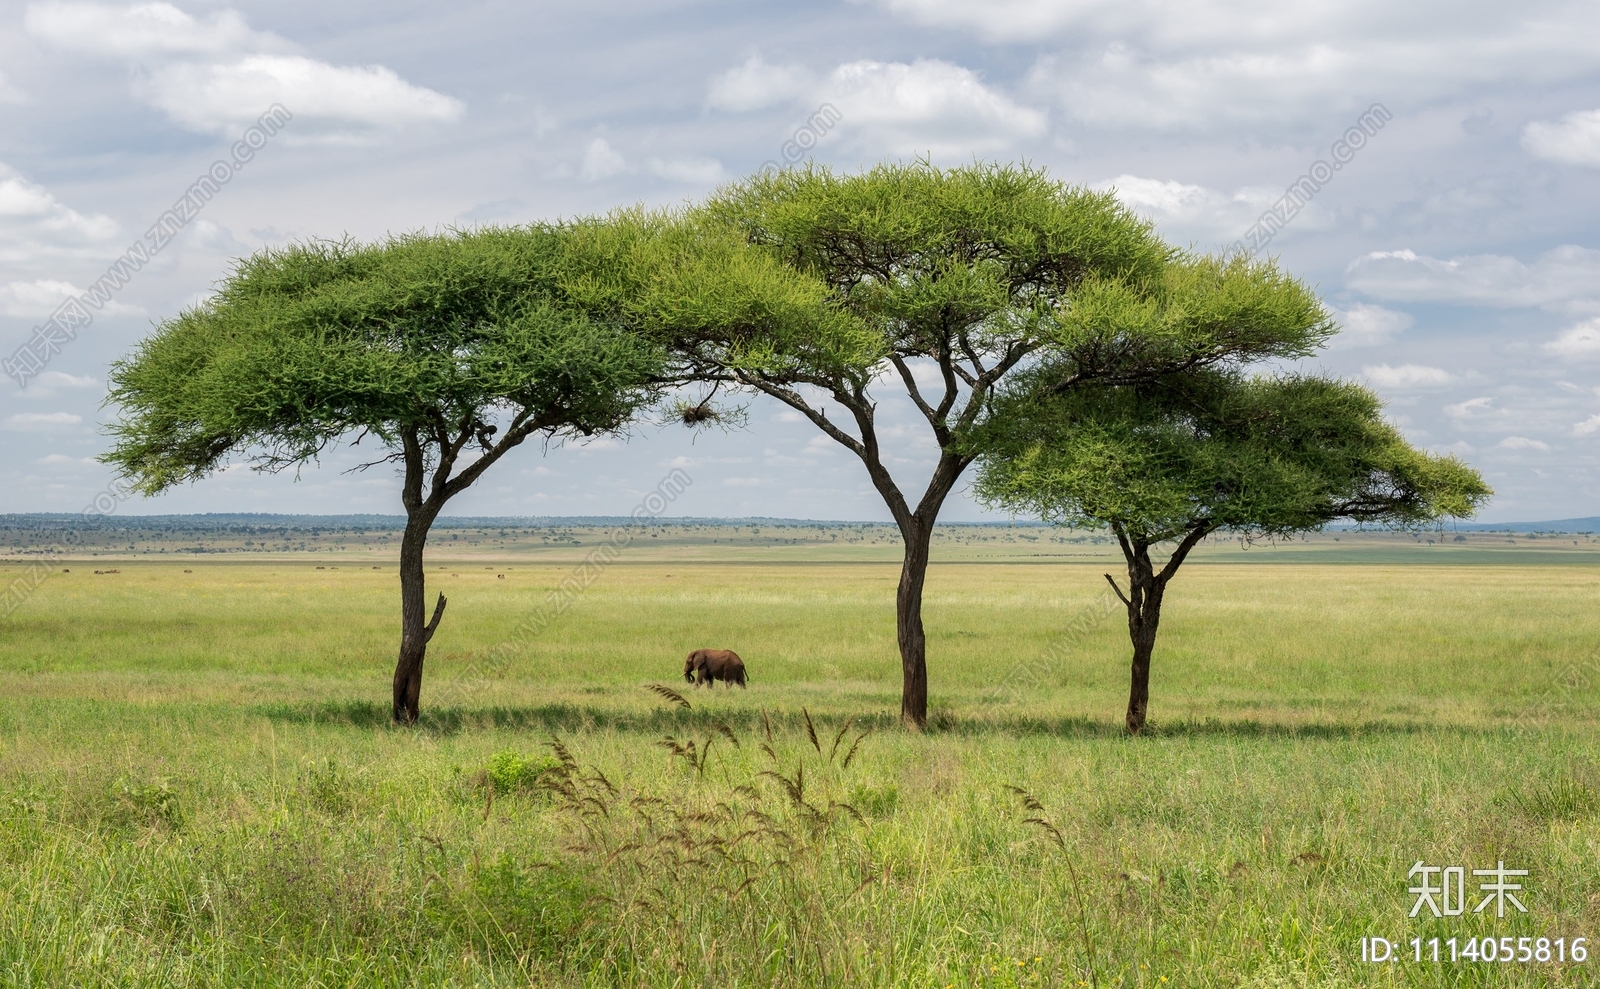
(512, 772)
(145, 804)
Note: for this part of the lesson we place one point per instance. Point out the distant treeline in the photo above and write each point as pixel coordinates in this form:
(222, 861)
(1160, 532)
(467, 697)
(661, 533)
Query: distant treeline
(244, 523)
(45, 526)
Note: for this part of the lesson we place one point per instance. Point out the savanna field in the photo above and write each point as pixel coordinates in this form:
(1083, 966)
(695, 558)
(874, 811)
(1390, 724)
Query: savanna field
(199, 784)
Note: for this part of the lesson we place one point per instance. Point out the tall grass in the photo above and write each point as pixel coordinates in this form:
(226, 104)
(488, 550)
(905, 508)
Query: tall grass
(196, 791)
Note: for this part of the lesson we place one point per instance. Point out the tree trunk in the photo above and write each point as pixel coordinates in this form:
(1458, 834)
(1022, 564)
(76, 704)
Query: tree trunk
(415, 630)
(1145, 590)
(908, 625)
(1144, 643)
(916, 526)
(1147, 586)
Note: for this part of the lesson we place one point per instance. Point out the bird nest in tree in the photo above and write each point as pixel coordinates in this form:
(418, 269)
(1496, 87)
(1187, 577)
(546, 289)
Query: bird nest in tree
(694, 415)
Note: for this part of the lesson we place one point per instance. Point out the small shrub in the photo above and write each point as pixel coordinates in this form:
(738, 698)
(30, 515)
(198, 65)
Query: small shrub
(875, 801)
(145, 803)
(512, 772)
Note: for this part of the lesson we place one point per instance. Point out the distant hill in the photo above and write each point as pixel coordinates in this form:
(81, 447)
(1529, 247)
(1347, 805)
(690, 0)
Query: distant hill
(1591, 524)
(232, 521)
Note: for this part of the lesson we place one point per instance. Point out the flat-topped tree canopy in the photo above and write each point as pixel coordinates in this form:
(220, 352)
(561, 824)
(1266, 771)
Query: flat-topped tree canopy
(1200, 311)
(445, 351)
(962, 271)
(965, 276)
(1174, 460)
(711, 300)
(1216, 450)
(448, 336)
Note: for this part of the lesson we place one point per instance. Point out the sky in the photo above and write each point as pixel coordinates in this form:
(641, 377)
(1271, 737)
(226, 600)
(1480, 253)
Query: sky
(1457, 240)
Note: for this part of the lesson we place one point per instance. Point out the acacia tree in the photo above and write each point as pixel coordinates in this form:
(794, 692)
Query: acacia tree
(446, 351)
(1174, 461)
(972, 274)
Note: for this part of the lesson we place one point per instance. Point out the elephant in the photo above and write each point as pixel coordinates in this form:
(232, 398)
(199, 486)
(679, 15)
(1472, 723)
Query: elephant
(714, 664)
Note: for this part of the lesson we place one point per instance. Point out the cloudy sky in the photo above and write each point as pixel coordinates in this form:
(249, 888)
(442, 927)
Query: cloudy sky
(1459, 243)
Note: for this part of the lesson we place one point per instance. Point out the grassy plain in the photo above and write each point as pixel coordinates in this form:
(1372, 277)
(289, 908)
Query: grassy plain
(198, 786)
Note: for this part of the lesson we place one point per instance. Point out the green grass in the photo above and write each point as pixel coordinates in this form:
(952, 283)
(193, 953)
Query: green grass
(199, 787)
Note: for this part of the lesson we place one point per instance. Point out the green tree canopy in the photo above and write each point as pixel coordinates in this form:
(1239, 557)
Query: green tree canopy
(445, 351)
(954, 280)
(1174, 460)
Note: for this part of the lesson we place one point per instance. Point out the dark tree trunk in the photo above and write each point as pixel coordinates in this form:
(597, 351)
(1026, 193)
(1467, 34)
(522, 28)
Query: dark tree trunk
(415, 629)
(420, 513)
(908, 624)
(916, 532)
(424, 498)
(916, 525)
(1142, 623)
(1146, 587)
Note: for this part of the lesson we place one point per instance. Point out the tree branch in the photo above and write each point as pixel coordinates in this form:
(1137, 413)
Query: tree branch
(862, 408)
(411, 488)
(966, 348)
(438, 613)
(1113, 582)
(1069, 381)
(1189, 542)
(1122, 539)
(912, 389)
(791, 398)
(952, 391)
(945, 474)
(522, 426)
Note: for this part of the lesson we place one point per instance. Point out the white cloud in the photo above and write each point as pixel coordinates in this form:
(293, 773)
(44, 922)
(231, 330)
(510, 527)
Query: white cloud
(329, 102)
(34, 299)
(141, 30)
(693, 171)
(61, 379)
(925, 106)
(1573, 140)
(1195, 209)
(48, 386)
(1368, 325)
(755, 85)
(1480, 406)
(30, 422)
(1556, 279)
(34, 223)
(928, 105)
(1406, 376)
(1000, 20)
(1522, 443)
(1580, 340)
(216, 75)
(37, 299)
(1587, 426)
(62, 460)
(1190, 64)
(1121, 86)
(601, 161)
